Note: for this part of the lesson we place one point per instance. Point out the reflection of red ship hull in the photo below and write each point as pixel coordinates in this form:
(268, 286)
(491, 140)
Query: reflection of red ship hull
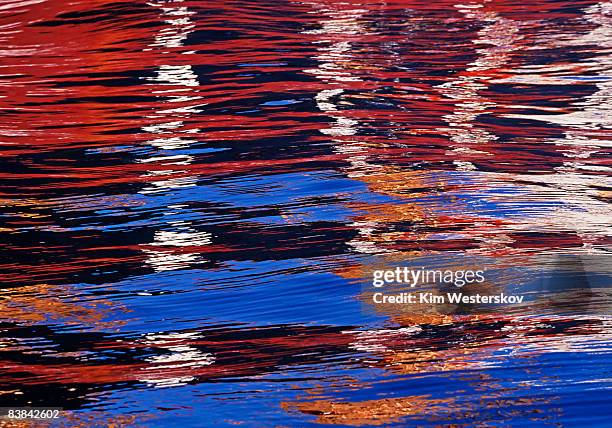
(232, 353)
(258, 351)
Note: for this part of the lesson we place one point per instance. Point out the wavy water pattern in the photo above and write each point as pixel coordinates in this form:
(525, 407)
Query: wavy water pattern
(193, 196)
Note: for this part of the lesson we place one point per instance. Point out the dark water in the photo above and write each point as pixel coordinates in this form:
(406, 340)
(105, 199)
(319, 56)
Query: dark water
(194, 194)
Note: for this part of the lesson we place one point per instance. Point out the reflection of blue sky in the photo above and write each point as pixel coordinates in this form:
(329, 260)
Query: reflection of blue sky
(273, 291)
(242, 292)
(498, 203)
(254, 402)
(280, 189)
(292, 193)
(295, 194)
(479, 194)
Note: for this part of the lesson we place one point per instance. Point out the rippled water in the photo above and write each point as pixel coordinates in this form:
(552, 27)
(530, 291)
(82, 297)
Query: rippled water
(194, 194)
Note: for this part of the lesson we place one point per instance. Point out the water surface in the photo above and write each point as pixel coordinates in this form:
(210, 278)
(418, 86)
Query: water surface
(193, 196)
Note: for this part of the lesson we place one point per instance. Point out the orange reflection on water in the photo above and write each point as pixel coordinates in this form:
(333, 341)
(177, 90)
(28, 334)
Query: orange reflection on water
(371, 412)
(31, 304)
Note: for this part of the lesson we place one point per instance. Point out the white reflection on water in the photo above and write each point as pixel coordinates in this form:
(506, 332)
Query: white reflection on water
(577, 181)
(178, 86)
(162, 370)
(338, 65)
(497, 39)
